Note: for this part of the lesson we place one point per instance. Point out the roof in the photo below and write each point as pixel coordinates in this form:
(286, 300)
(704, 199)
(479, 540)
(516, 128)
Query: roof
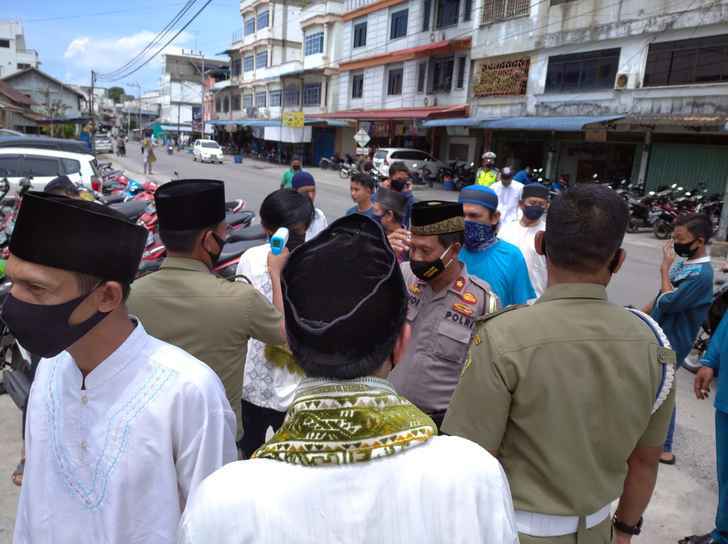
(46, 76)
(41, 142)
(14, 95)
(555, 124)
(444, 46)
(455, 122)
(693, 121)
(397, 113)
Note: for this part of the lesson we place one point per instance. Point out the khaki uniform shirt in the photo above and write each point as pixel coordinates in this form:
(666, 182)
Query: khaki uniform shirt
(442, 326)
(563, 392)
(211, 318)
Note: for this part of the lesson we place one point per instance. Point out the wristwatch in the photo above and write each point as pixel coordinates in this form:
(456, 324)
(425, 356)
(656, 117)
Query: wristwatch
(622, 527)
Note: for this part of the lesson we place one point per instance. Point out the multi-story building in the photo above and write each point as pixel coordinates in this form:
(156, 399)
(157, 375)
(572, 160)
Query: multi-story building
(14, 54)
(635, 89)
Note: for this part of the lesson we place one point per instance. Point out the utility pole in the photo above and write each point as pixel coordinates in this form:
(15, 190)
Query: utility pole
(202, 110)
(93, 114)
(179, 107)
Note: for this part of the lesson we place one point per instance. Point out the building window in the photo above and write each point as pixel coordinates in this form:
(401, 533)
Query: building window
(275, 99)
(503, 78)
(261, 59)
(461, 73)
(421, 76)
(468, 10)
(260, 99)
(23, 66)
(313, 44)
(293, 97)
(247, 101)
(263, 19)
(394, 81)
(447, 13)
(5, 44)
(398, 26)
(442, 74)
(236, 102)
(226, 104)
(235, 68)
(701, 60)
(582, 71)
(360, 34)
(557, 2)
(496, 10)
(312, 94)
(218, 105)
(248, 63)
(249, 26)
(426, 15)
(357, 86)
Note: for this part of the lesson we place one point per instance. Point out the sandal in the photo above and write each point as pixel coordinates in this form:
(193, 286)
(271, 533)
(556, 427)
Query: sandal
(17, 475)
(671, 461)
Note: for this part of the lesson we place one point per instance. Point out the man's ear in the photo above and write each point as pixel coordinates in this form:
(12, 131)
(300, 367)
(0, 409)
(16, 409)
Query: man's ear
(400, 346)
(617, 261)
(538, 243)
(495, 218)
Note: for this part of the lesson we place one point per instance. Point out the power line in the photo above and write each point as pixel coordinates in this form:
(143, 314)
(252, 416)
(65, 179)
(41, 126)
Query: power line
(95, 14)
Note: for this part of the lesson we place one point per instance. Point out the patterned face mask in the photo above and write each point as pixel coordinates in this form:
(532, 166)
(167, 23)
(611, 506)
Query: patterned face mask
(479, 236)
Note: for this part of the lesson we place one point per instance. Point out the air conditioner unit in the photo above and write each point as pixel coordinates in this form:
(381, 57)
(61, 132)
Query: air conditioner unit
(430, 101)
(621, 82)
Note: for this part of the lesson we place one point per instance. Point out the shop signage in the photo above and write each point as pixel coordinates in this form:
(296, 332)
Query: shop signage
(293, 119)
(362, 138)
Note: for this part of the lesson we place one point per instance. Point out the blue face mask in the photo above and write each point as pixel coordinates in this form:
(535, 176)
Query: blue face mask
(479, 236)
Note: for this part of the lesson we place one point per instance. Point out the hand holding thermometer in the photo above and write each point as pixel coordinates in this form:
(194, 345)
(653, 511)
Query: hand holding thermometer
(278, 241)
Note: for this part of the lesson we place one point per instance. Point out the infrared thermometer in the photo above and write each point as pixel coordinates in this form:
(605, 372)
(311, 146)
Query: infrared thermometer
(278, 241)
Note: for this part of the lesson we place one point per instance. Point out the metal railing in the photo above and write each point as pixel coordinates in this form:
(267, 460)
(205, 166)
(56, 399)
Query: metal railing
(356, 4)
(237, 36)
(498, 10)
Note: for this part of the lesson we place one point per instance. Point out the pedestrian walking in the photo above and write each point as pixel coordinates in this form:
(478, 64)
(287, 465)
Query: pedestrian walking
(270, 379)
(188, 306)
(354, 461)
(149, 157)
(361, 188)
(304, 183)
(509, 194)
(686, 293)
(572, 394)
(497, 262)
(444, 302)
(287, 178)
(522, 231)
(121, 427)
(711, 361)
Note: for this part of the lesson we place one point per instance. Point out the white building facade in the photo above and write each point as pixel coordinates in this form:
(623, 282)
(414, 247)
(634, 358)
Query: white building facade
(14, 53)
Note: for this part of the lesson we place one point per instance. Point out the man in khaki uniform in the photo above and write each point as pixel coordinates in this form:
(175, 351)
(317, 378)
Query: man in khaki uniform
(444, 303)
(573, 394)
(187, 306)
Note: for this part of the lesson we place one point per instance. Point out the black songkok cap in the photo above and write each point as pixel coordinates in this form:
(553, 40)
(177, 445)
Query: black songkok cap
(433, 217)
(392, 200)
(190, 204)
(535, 189)
(344, 295)
(78, 236)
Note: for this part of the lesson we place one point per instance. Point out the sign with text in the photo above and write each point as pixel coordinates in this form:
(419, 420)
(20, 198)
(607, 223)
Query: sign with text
(293, 119)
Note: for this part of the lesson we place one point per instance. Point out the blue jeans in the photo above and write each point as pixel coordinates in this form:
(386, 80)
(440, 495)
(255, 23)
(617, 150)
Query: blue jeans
(670, 432)
(720, 534)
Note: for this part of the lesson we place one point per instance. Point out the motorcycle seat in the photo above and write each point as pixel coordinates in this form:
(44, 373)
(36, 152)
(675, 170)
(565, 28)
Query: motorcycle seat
(114, 199)
(251, 233)
(239, 218)
(131, 209)
(234, 250)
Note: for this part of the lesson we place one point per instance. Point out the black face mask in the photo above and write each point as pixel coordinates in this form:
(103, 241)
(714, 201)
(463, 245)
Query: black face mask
(684, 250)
(295, 240)
(44, 329)
(429, 270)
(397, 184)
(215, 257)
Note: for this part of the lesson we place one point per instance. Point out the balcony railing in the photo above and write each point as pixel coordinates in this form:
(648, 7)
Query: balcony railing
(498, 10)
(351, 5)
(237, 36)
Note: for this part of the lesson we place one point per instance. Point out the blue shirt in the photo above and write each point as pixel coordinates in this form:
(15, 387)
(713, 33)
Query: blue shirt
(355, 209)
(408, 210)
(717, 350)
(682, 311)
(501, 265)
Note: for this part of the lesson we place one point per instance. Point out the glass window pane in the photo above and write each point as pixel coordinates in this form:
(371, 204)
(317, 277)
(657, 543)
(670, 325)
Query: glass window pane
(262, 19)
(261, 59)
(357, 86)
(683, 66)
(399, 24)
(249, 63)
(360, 34)
(312, 95)
(421, 75)
(41, 166)
(426, 15)
(249, 26)
(314, 44)
(275, 99)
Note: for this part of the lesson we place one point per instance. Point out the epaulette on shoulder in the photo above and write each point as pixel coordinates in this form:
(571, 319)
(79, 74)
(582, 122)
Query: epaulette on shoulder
(488, 317)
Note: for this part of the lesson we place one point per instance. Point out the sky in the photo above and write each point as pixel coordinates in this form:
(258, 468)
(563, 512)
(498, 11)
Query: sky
(73, 37)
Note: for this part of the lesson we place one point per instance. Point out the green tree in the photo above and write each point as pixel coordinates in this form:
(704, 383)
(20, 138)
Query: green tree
(116, 94)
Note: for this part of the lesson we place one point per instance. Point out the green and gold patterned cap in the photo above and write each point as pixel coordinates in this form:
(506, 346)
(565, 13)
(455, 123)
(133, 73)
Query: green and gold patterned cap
(433, 217)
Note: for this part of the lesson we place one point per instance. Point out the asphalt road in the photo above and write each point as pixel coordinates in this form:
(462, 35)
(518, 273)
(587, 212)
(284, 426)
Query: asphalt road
(685, 497)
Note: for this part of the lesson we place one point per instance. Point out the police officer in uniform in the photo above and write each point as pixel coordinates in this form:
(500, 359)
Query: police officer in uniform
(188, 306)
(573, 394)
(444, 304)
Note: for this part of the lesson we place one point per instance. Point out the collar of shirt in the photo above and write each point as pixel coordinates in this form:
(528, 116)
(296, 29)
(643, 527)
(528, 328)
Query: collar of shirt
(699, 260)
(125, 354)
(574, 290)
(185, 263)
(370, 381)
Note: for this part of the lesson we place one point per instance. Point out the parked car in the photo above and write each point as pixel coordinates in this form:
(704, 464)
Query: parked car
(413, 158)
(103, 143)
(207, 151)
(43, 165)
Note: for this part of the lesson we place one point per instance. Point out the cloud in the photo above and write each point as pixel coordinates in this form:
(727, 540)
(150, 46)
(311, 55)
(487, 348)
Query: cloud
(86, 53)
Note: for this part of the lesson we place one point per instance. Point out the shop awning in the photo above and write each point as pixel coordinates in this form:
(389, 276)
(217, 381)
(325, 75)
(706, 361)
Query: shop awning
(245, 122)
(174, 128)
(397, 114)
(688, 121)
(338, 123)
(554, 124)
(455, 122)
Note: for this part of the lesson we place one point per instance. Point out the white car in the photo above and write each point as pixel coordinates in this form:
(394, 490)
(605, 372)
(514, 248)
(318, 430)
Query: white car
(414, 159)
(44, 165)
(207, 151)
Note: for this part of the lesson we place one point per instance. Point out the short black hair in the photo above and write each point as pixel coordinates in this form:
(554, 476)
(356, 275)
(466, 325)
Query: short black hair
(698, 224)
(87, 283)
(398, 166)
(585, 227)
(449, 239)
(62, 186)
(285, 208)
(182, 241)
(364, 180)
(295, 158)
